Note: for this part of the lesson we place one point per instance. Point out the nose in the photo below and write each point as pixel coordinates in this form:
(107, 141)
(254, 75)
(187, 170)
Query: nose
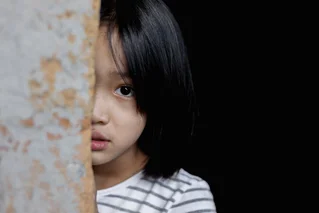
(99, 115)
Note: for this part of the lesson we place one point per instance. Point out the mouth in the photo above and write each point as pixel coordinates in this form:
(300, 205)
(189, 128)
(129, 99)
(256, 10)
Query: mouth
(98, 141)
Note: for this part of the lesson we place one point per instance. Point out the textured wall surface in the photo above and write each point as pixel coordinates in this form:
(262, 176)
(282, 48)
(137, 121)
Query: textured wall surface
(46, 86)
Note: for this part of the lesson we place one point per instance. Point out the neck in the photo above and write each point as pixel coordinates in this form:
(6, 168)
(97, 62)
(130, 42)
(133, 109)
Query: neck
(119, 169)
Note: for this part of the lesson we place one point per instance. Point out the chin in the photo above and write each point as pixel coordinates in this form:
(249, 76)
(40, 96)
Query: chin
(99, 158)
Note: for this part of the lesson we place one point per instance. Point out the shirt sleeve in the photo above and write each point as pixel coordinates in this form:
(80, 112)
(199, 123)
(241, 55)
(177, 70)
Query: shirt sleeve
(197, 198)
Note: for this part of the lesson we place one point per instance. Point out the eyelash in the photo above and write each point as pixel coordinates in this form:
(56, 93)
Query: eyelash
(131, 91)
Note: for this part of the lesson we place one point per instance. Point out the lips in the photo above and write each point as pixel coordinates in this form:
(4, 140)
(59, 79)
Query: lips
(98, 136)
(98, 141)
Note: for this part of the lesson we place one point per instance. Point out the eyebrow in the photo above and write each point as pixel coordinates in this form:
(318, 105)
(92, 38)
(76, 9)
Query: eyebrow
(117, 74)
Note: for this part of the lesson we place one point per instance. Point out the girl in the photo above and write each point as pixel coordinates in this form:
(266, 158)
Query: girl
(143, 113)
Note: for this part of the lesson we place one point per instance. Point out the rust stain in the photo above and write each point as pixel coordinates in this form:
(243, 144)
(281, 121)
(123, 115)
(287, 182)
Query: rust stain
(90, 77)
(69, 96)
(50, 67)
(86, 107)
(72, 57)
(62, 169)
(36, 169)
(66, 15)
(3, 130)
(53, 137)
(84, 149)
(50, 26)
(45, 186)
(64, 122)
(90, 26)
(29, 192)
(40, 101)
(85, 45)
(71, 38)
(55, 115)
(55, 151)
(85, 124)
(91, 29)
(84, 155)
(16, 145)
(85, 198)
(27, 122)
(96, 5)
(26, 146)
(34, 85)
(10, 208)
(48, 195)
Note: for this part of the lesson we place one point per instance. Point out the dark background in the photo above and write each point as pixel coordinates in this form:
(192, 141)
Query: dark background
(201, 30)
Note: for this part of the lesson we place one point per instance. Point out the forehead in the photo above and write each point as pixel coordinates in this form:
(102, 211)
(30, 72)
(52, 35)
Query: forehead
(109, 55)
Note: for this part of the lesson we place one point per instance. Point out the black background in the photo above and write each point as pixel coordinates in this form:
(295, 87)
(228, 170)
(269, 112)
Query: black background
(204, 37)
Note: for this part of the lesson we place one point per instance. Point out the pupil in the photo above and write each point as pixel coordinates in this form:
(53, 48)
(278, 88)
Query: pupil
(125, 90)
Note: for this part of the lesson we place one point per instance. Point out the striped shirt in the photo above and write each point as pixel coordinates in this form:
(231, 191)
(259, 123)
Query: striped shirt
(182, 193)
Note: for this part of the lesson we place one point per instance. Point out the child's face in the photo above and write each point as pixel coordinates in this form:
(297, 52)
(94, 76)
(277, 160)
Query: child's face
(115, 115)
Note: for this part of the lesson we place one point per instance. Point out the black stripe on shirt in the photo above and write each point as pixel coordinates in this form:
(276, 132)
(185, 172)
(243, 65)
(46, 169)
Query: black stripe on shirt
(189, 177)
(164, 185)
(151, 192)
(191, 201)
(116, 207)
(179, 180)
(197, 189)
(203, 211)
(137, 201)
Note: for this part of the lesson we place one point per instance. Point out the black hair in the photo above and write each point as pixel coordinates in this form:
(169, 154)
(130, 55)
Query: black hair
(158, 65)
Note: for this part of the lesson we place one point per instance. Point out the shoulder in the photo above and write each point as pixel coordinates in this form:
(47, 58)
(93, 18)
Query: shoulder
(195, 194)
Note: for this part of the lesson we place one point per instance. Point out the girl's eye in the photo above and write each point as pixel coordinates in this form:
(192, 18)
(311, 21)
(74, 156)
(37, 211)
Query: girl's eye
(125, 91)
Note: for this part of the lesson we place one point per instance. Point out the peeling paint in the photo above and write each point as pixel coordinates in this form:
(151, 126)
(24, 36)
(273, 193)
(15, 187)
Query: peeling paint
(53, 137)
(72, 57)
(3, 130)
(10, 208)
(34, 85)
(26, 146)
(69, 96)
(50, 67)
(16, 145)
(55, 151)
(66, 15)
(27, 122)
(71, 38)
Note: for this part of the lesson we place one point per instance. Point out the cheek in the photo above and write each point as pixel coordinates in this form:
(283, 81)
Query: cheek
(126, 121)
(129, 125)
(124, 114)
(132, 124)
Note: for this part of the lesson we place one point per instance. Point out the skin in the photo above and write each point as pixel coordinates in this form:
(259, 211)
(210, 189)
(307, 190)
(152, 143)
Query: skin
(115, 116)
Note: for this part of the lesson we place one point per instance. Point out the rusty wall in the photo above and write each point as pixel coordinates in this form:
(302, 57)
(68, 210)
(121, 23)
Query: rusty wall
(46, 86)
